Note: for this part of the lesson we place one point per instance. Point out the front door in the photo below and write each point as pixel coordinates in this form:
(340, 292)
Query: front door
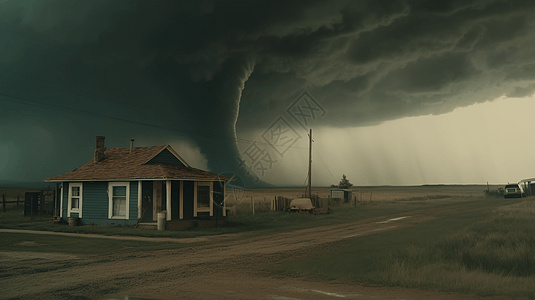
(147, 208)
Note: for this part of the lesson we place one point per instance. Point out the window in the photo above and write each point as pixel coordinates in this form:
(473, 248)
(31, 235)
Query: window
(203, 197)
(119, 201)
(119, 196)
(75, 199)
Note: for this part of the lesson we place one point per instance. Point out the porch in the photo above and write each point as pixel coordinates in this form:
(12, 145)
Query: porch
(186, 203)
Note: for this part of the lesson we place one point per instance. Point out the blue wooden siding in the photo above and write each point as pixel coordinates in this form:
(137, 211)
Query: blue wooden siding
(133, 202)
(95, 204)
(166, 157)
(65, 200)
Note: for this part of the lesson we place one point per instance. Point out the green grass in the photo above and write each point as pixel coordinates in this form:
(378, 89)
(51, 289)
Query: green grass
(274, 222)
(494, 257)
(487, 252)
(262, 223)
(78, 245)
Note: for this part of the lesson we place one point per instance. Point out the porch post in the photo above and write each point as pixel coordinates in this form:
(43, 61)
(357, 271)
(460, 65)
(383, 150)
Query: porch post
(181, 212)
(139, 202)
(224, 199)
(61, 201)
(195, 198)
(168, 199)
(211, 199)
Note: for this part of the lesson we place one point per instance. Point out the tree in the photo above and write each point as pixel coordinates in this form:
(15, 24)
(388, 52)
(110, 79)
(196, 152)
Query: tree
(344, 183)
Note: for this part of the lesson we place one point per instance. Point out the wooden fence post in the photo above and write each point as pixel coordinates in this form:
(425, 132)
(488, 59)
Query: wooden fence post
(41, 205)
(3, 202)
(18, 196)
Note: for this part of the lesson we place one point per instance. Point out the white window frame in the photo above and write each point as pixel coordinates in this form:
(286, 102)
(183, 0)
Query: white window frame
(211, 208)
(110, 200)
(80, 197)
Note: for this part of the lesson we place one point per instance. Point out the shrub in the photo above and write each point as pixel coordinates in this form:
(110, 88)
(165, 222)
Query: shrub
(494, 193)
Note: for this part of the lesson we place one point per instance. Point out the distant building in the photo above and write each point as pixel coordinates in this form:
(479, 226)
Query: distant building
(528, 185)
(344, 194)
(129, 186)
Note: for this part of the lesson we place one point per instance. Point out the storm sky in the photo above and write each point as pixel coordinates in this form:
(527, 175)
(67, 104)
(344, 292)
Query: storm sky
(396, 92)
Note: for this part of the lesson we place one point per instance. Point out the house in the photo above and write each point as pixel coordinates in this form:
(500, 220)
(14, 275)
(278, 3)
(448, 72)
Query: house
(129, 186)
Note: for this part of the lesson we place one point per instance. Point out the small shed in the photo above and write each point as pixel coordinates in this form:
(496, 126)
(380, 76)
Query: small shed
(528, 185)
(344, 194)
(130, 186)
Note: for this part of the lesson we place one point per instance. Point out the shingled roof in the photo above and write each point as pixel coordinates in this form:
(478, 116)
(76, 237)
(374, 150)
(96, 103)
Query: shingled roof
(120, 164)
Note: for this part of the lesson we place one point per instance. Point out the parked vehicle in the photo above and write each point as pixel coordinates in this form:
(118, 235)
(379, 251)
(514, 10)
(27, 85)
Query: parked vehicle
(513, 190)
(301, 204)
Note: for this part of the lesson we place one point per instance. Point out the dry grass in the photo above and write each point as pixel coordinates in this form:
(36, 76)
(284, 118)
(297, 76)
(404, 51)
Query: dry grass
(493, 257)
(364, 194)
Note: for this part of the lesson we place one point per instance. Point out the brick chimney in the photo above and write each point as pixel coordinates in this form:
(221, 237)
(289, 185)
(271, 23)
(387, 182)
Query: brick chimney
(99, 151)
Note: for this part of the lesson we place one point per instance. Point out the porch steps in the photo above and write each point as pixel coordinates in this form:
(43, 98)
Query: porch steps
(56, 220)
(151, 225)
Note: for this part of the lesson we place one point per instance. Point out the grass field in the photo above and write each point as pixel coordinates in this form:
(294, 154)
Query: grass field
(246, 225)
(264, 221)
(488, 252)
(372, 194)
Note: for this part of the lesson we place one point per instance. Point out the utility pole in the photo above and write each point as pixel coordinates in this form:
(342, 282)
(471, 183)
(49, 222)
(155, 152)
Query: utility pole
(310, 165)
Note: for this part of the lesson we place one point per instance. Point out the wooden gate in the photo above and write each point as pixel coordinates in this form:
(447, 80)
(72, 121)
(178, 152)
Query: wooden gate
(40, 203)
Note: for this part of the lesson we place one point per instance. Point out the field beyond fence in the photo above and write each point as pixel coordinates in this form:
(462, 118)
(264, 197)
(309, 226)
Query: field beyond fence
(244, 200)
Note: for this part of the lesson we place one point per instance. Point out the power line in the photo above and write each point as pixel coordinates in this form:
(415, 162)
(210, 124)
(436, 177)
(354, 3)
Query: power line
(90, 95)
(37, 103)
(100, 98)
(65, 108)
(323, 162)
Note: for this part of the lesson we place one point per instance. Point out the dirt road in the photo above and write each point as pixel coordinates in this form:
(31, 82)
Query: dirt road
(219, 270)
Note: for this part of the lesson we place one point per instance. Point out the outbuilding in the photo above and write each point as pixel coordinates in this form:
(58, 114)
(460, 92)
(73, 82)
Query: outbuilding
(344, 195)
(528, 185)
(130, 186)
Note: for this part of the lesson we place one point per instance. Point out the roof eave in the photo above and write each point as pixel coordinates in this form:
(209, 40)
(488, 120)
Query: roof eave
(141, 179)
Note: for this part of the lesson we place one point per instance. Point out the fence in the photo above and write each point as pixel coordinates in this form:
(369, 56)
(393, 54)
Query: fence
(5, 201)
(35, 203)
(280, 203)
(41, 203)
(321, 205)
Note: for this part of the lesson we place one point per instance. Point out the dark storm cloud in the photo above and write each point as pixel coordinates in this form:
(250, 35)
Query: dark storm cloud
(405, 58)
(195, 66)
